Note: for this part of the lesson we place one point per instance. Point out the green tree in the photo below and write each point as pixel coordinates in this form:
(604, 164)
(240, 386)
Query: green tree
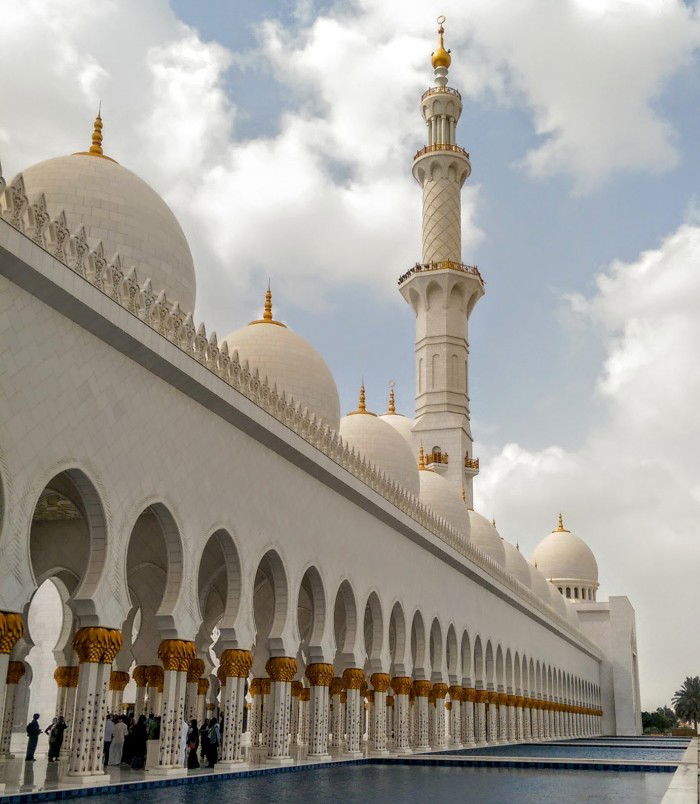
(659, 722)
(686, 701)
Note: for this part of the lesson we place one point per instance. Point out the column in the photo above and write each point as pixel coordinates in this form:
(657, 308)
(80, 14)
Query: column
(154, 689)
(511, 727)
(480, 704)
(353, 678)
(281, 670)
(255, 715)
(402, 705)
(378, 744)
(297, 687)
(266, 708)
(492, 717)
(439, 692)
(337, 690)
(139, 676)
(194, 673)
(519, 720)
(540, 719)
(320, 676)
(502, 717)
(545, 719)
(118, 679)
(202, 689)
(176, 655)
(421, 689)
(235, 667)
(527, 720)
(304, 701)
(11, 629)
(15, 671)
(66, 678)
(455, 711)
(468, 716)
(390, 723)
(96, 649)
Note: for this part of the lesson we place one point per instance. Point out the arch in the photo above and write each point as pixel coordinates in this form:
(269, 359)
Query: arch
(397, 640)
(500, 672)
(311, 613)
(489, 666)
(373, 629)
(452, 655)
(517, 675)
(219, 573)
(466, 658)
(270, 599)
(436, 654)
(531, 680)
(418, 645)
(434, 370)
(345, 624)
(508, 671)
(478, 663)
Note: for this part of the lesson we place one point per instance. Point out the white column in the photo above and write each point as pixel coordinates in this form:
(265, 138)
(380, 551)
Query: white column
(304, 702)
(455, 716)
(439, 733)
(118, 679)
(390, 723)
(294, 713)
(202, 689)
(15, 671)
(337, 692)
(11, 629)
(468, 717)
(320, 676)
(353, 678)
(234, 666)
(176, 655)
(511, 730)
(492, 722)
(154, 689)
(266, 712)
(519, 720)
(402, 706)
(480, 717)
(281, 670)
(421, 690)
(502, 718)
(255, 714)
(380, 683)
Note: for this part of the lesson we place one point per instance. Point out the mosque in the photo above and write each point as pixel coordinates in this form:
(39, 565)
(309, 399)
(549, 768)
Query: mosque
(206, 533)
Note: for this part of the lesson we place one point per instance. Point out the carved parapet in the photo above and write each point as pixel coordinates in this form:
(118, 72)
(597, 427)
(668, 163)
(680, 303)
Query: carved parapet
(96, 645)
(401, 685)
(380, 681)
(282, 668)
(15, 671)
(320, 674)
(118, 679)
(421, 689)
(139, 675)
(353, 678)
(177, 654)
(236, 663)
(11, 629)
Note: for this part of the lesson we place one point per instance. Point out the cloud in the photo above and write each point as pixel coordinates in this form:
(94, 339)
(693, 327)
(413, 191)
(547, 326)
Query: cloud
(632, 490)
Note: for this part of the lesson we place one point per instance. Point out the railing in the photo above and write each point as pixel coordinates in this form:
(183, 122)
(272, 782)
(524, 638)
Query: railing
(471, 463)
(436, 457)
(441, 146)
(440, 91)
(444, 265)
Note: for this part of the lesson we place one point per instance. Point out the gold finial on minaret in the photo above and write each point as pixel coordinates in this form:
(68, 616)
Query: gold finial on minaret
(361, 407)
(441, 57)
(421, 458)
(560, 526)
(392, 401)
(267, 311)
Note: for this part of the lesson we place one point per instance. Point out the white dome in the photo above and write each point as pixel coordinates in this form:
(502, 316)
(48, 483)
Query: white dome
(516, 564)
(442, 498)
(485, 536)
(402, 424)
(117, 207)
(291, 362)
(383, 446)
(562, 556)
(539, 585)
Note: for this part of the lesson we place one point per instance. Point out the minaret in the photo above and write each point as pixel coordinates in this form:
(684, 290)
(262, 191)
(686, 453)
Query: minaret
(442, 290)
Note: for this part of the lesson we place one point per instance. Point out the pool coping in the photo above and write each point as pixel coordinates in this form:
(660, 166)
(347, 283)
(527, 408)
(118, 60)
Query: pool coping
(685, 784)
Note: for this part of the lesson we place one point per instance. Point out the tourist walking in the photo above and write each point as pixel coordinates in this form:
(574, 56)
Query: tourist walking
(214, 735)
(109, 731)
(139, 744)
(55, 732)
(192, 745)
(204, 739)
(117, 746)
(33, 732)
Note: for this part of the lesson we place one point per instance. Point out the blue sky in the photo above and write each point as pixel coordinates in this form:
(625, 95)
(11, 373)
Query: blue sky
(282, 133)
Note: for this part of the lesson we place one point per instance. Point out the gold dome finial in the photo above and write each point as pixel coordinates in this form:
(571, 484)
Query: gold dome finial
(560, 526)
(361, 407)
(267, 311)
(441, 57)
(421, 458)
(96, 147)
(392, 401)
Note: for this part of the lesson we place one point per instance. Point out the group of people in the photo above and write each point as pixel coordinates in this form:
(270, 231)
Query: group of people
(205, 738)
(55, 732)
(126, 740)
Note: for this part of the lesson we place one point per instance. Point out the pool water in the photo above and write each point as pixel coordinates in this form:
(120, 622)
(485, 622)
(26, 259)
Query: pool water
(611, 752)
(380, 784)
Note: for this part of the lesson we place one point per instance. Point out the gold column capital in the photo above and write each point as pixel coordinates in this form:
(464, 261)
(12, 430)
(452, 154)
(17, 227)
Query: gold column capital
(380, 681)
(265, 686)
(118, 679)
(63, 675)
(139, 674)
(337, 687)
(421, 689)
(195, 671)
(389, 700)
(177, 654)
(97, 645)
(401, 685)
(319, 674)
(236, 663)
(297, 687)
(202, 686)
(304, 694)
(281, 668)
(11, 629)
(154, 676)
(353, 678)
(455, 691)
(15, 671)
(439, 690)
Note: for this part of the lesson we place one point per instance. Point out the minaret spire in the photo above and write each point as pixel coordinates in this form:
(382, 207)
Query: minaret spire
(442, 290)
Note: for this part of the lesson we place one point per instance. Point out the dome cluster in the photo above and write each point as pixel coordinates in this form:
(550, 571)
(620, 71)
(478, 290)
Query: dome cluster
(568, 562)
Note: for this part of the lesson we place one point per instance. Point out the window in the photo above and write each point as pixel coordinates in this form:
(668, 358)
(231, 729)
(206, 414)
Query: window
(568, 591)
(576, 593)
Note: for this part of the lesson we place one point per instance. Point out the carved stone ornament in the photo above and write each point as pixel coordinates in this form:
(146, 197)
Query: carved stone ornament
(236, 663)
(281, 668)
(353, 678)
(11, 629)
(15, 671)
(97, 645)
(319, 674)
(401, 685)
(177, 654)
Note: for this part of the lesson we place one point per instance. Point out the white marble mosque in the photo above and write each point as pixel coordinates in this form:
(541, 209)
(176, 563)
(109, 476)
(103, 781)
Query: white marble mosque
(187, 524)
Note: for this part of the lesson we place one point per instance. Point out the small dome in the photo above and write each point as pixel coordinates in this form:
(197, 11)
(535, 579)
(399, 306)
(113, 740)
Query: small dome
(118, 208)
(516, 564)
(402, 424)
(382, 445)
(539, 585)
(290, 362)
(485, 536)
(562, 556)
(441, 497)
(441, 57)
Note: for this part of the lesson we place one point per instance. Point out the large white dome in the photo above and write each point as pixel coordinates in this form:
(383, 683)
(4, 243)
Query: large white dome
(291, 362)
(402, 424)
(485, 536)
(516, 564)
(117, 207)
(440, 496)
(562, 556)
(539, 585)
(382, 445)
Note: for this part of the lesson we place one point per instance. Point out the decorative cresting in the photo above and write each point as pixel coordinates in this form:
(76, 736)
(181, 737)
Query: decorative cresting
(177, 654)
(96, 645)
(319, 674)
(236, 663)
(15, 671)
(177, 326)
(282, 668)
(118, 679)
(11, 629)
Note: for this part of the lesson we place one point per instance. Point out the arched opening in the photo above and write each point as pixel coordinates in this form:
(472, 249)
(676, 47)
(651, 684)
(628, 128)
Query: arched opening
(517, 676)
(397, 641)
(373, 629)
(345, 627)
(436, 655)
(466, 659)
(452, 656)
(500, 674)
(489, 666)
(509, 672)
(311, 615)
(478, 664)
(418, 646)
(270, 600)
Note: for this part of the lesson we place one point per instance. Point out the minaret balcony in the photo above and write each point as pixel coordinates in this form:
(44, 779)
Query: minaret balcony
(471, 466)
(440, 91)
(441, 147)
(444, 265)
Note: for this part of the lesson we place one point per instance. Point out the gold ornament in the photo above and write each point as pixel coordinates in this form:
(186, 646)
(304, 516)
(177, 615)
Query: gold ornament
(195, 671)
(97, 645)
(337, 687)
(11, 629)
(441, 57)
(353, 678)
(305, 694)
(236, 663)
(401, 685)
(154, 676)
(455, 693)
(177, 654)
(320, 674)
(281, 668)
(265, 686)
(118, 680)
(15, 671)
(139, 675)
(439, 690)
(202, 686)
(380, 681)
(297, 687)
(62, 676)
(421, 689)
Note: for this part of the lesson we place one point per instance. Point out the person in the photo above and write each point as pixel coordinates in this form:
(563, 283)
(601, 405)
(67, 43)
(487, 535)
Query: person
(214, 735)
(109, 731)
(204, 739)
(117, 746)
(139, 740)
(192, 745)
(33, 732)
(55, 732)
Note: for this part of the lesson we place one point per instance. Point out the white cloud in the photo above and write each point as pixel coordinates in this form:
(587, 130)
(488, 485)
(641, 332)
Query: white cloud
(632, 490)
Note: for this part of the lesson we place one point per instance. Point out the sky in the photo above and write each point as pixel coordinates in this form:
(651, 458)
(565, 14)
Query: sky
(281, 133)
